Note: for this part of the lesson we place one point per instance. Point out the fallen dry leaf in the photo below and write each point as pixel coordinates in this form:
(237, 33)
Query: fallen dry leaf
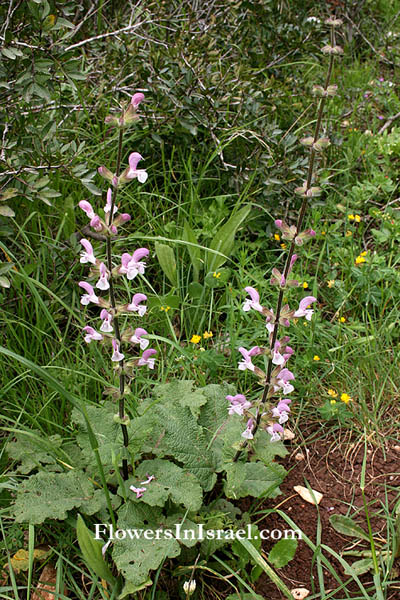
(313, 498)
(300, 593)
(47, 584)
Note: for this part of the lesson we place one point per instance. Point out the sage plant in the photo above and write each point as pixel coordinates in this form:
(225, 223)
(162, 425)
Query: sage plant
(277, 380)
(104, 273)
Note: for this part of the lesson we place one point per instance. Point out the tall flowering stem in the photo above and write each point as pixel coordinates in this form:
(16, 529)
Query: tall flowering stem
(121, 408)
(316, 145)
(131, 265)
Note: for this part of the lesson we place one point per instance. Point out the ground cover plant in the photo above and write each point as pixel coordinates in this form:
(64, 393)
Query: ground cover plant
(124, 406)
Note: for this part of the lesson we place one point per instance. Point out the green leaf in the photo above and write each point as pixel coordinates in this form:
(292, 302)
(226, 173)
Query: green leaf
(214, 418)
(224, 239)
(136, 556)
(347, 526)
(183, 392)
(50, 495)
(6, 211)
(130, 588)
(166, 258)
(265, 450)
(170, 483)
(253, 479)
(195, 290)
(4, 282)
(359, 567)
(218, 278)
(185, 441)
(282, 552)
(32, 452)
(259, 561)
(91, 551)
(194, 251)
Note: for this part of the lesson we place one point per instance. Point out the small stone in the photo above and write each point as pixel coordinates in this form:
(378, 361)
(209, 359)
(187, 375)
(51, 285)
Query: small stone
(299, 456)
(300, 593)
(312, 498)
(397, 448)
(288, 435)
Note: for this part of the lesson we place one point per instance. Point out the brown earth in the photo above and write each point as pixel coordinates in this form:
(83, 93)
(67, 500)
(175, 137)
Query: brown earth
(334, 469)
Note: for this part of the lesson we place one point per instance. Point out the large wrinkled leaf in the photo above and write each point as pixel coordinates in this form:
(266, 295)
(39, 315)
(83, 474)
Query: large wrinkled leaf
(170, 483)
(265, 450)
(135, 556)
(185, 441)
(31, 451)
(51, 495)
(182, 392)
(253, 479)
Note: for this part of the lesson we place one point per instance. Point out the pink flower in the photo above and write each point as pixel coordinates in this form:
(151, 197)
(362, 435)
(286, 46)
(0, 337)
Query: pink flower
(238, 404)
(253, 301)
(87, 208)
(137, 99)
(248, 432)
(90, 296)
(106, 326)
(281, 411)
(247, 354)
(149, 478)
(277, 358)
(107, 207)
(146, 360)
(282, 381)
(132, 265)
(87, 255)
(134, 306)
(133, 172)
(137, 338)
(91, 335)
(138, 491)
(106, 173)
(117, 356)
(275, 430)
(303, 310)
(96, 223)
(102, 283)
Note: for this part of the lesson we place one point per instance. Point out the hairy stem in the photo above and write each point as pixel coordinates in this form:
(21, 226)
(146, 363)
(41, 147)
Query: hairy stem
(309, 180)
(121, 408)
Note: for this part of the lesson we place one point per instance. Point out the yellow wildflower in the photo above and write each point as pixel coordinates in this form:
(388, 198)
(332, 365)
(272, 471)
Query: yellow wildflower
(345, 398)
(333, 401)
(342, 319)
(195, 339)
(323, 232)
(316, 357)
(207, 334)
(283, 246)
(277, 237)
(166, 308)
(364, 253)
(360, 260)
(351, 217)
(332, 393)
(305, 285)
(331, 283)
(357, 218)
(349, 233)
(216, 275)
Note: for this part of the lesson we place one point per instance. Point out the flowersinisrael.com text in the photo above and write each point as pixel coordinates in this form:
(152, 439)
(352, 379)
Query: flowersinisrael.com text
(200, 533)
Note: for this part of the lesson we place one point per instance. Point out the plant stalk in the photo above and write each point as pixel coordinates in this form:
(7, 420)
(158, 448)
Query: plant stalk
(309, 180)
(121, 407)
